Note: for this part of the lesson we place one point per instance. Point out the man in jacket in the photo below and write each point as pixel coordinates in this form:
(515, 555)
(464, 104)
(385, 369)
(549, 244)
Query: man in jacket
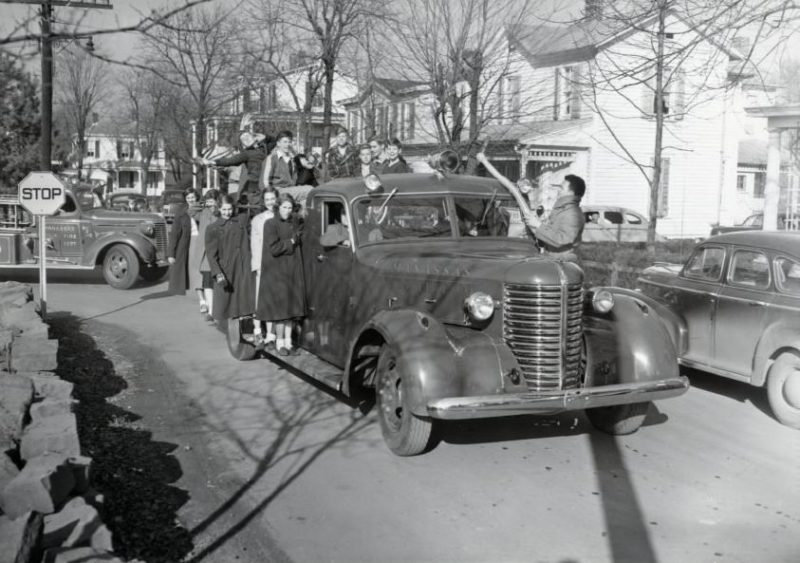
(560, 233)
(341, 157)
(252, 156)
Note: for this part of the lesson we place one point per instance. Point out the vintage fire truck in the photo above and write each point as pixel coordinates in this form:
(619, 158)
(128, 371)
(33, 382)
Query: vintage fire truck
(439, 305)
(83, 235)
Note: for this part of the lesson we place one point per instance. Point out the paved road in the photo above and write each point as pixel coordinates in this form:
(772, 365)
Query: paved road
(277, 469)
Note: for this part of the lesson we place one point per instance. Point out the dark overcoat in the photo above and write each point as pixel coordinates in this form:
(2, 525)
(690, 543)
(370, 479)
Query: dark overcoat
(179, 239)
(228, 252)
(282, 292)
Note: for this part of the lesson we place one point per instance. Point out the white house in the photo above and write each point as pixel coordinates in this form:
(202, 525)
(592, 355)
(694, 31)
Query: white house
(113, 157)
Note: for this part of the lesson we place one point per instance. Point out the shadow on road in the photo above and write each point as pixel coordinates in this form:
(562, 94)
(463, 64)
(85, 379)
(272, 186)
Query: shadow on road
(132, 471)
(737, 390)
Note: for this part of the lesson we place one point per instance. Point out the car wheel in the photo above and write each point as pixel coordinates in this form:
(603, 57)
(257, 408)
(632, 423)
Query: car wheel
(237, 346)
(121, 267)
(783, 389)
(405, 433)
(618, 420)
(153, 273)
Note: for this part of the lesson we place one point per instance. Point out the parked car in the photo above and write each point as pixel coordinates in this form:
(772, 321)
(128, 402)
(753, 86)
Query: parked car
(83, 234)
(738, 299)
(437, 312)
(127, 201)
(611, 223)
(755, 222)
(170, 198)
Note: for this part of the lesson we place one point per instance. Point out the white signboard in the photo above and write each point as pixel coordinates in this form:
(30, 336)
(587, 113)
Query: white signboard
(42, 193)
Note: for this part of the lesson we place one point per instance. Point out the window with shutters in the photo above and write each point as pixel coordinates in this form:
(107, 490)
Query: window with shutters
(760, 185)
(124, 149)
(673, 99)
(500, 101)
(394, 121)
(567, 93)
(411, 117)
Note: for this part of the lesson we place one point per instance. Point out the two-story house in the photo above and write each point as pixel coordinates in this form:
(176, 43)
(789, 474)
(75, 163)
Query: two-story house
(290, 100)
(579, 98)
(113, 156)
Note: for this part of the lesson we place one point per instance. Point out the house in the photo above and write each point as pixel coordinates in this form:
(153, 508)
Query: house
(290, 100)
(577, 99)
(114, 157)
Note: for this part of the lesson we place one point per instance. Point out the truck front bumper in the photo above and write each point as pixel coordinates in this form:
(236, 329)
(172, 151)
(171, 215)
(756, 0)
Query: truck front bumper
(488, 406)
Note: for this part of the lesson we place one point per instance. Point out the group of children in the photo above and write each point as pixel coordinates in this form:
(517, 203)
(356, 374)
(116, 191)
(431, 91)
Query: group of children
(241, 267)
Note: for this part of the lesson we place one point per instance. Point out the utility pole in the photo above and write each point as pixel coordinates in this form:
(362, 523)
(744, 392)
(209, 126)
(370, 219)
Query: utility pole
(46, 42)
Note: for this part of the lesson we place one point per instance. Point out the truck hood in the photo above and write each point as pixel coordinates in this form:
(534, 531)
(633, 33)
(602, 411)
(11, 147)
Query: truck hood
(503, 260)
(107, 215)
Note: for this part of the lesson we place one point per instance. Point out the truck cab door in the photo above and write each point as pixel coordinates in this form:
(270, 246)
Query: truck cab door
(64, 231)
(329, 270)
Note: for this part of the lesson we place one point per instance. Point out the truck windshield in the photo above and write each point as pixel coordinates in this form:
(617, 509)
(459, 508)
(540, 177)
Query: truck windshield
(490, 215)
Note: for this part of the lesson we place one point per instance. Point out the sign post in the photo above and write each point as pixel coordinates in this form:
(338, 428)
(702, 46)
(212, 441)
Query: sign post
(42, 193)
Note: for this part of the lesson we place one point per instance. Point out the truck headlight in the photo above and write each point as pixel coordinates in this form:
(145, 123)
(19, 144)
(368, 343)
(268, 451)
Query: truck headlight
(148, 229)
(479, 306)
(603, 301)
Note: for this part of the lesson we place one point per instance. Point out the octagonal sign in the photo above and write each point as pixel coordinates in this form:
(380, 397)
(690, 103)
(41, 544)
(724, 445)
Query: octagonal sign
(42, 193)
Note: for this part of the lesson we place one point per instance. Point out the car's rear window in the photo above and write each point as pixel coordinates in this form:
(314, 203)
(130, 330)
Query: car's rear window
(750, 268)
(787, 275)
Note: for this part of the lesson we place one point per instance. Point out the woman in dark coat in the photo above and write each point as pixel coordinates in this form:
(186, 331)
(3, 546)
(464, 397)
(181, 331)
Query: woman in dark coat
(281, 295)
(228, 252)
(180, 237)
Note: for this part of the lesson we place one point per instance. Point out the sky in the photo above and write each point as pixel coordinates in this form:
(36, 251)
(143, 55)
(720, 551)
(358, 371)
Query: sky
(121, 46)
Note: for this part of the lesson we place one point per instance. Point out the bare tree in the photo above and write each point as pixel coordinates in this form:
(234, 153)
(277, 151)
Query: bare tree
(666, 73)
(329, 25)
(81, 86)
(146, 98)
(194, 51)
(459, 50)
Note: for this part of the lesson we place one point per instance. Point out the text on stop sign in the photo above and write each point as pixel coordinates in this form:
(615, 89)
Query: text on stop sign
(42, 193)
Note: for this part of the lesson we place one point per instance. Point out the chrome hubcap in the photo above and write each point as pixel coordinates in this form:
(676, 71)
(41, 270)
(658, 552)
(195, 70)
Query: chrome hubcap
(119, 266)
(391, 394)
(791, 388)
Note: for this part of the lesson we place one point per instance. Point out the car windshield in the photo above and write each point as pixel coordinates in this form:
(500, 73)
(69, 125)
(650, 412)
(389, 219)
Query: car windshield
(173, 197)
(128, 202)
(382, 217)
(88, 199)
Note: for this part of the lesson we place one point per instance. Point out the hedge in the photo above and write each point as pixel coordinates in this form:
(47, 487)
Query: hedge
(620, 263)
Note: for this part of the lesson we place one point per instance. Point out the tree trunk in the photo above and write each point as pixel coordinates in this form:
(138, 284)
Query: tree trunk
(327, 110)
(657, 150)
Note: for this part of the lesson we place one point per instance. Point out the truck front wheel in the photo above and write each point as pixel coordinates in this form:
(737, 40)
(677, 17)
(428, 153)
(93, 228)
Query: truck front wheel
(237, 346)
(619, 419)
(121, 267)
(405, 433)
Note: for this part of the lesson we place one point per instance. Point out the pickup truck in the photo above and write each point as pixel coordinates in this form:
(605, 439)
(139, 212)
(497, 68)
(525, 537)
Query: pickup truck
(434, 310)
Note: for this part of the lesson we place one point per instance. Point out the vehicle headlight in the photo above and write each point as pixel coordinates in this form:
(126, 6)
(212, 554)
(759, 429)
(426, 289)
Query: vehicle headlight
(603, 301)
(479, 306)
(148, 229)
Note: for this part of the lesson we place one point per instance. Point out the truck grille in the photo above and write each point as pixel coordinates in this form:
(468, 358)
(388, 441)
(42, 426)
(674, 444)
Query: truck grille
(161, 240)
(542, 324)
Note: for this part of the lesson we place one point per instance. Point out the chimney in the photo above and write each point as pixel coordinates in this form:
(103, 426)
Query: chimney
(592, 9)
(95, 118)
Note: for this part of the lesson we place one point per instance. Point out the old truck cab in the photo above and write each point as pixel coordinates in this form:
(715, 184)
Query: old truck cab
(437, 301)
(83, 235)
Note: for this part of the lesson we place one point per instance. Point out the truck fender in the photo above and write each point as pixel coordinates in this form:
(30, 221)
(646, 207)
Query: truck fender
(780, 337)
(438, 360)
(629, 344)
(672, 321)
(144, 248)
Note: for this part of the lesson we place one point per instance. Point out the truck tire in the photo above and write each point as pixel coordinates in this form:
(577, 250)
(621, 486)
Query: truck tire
(405, 433)
(152, 274)
(783, 389)
(121, 267)
(618, 420)
(239, 348)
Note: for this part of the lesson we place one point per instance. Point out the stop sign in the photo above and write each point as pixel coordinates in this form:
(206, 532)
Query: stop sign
(41, 193)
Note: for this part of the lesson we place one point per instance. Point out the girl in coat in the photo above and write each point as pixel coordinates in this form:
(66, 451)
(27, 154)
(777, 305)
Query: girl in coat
(195, 211)
(269, 198)
(282, 288)
(178, 251)
(228, 251)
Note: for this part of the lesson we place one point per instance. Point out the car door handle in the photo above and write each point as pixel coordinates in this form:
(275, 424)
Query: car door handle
(755, 304)
(320, 258)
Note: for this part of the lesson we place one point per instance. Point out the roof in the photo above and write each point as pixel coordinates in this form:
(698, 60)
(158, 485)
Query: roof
(392, 86)
(396, 85)
(531, 129)
(787, 242)
(351, 188)
(753, 152)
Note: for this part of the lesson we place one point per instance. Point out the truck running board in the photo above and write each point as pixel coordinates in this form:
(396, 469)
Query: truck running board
(311, 366)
